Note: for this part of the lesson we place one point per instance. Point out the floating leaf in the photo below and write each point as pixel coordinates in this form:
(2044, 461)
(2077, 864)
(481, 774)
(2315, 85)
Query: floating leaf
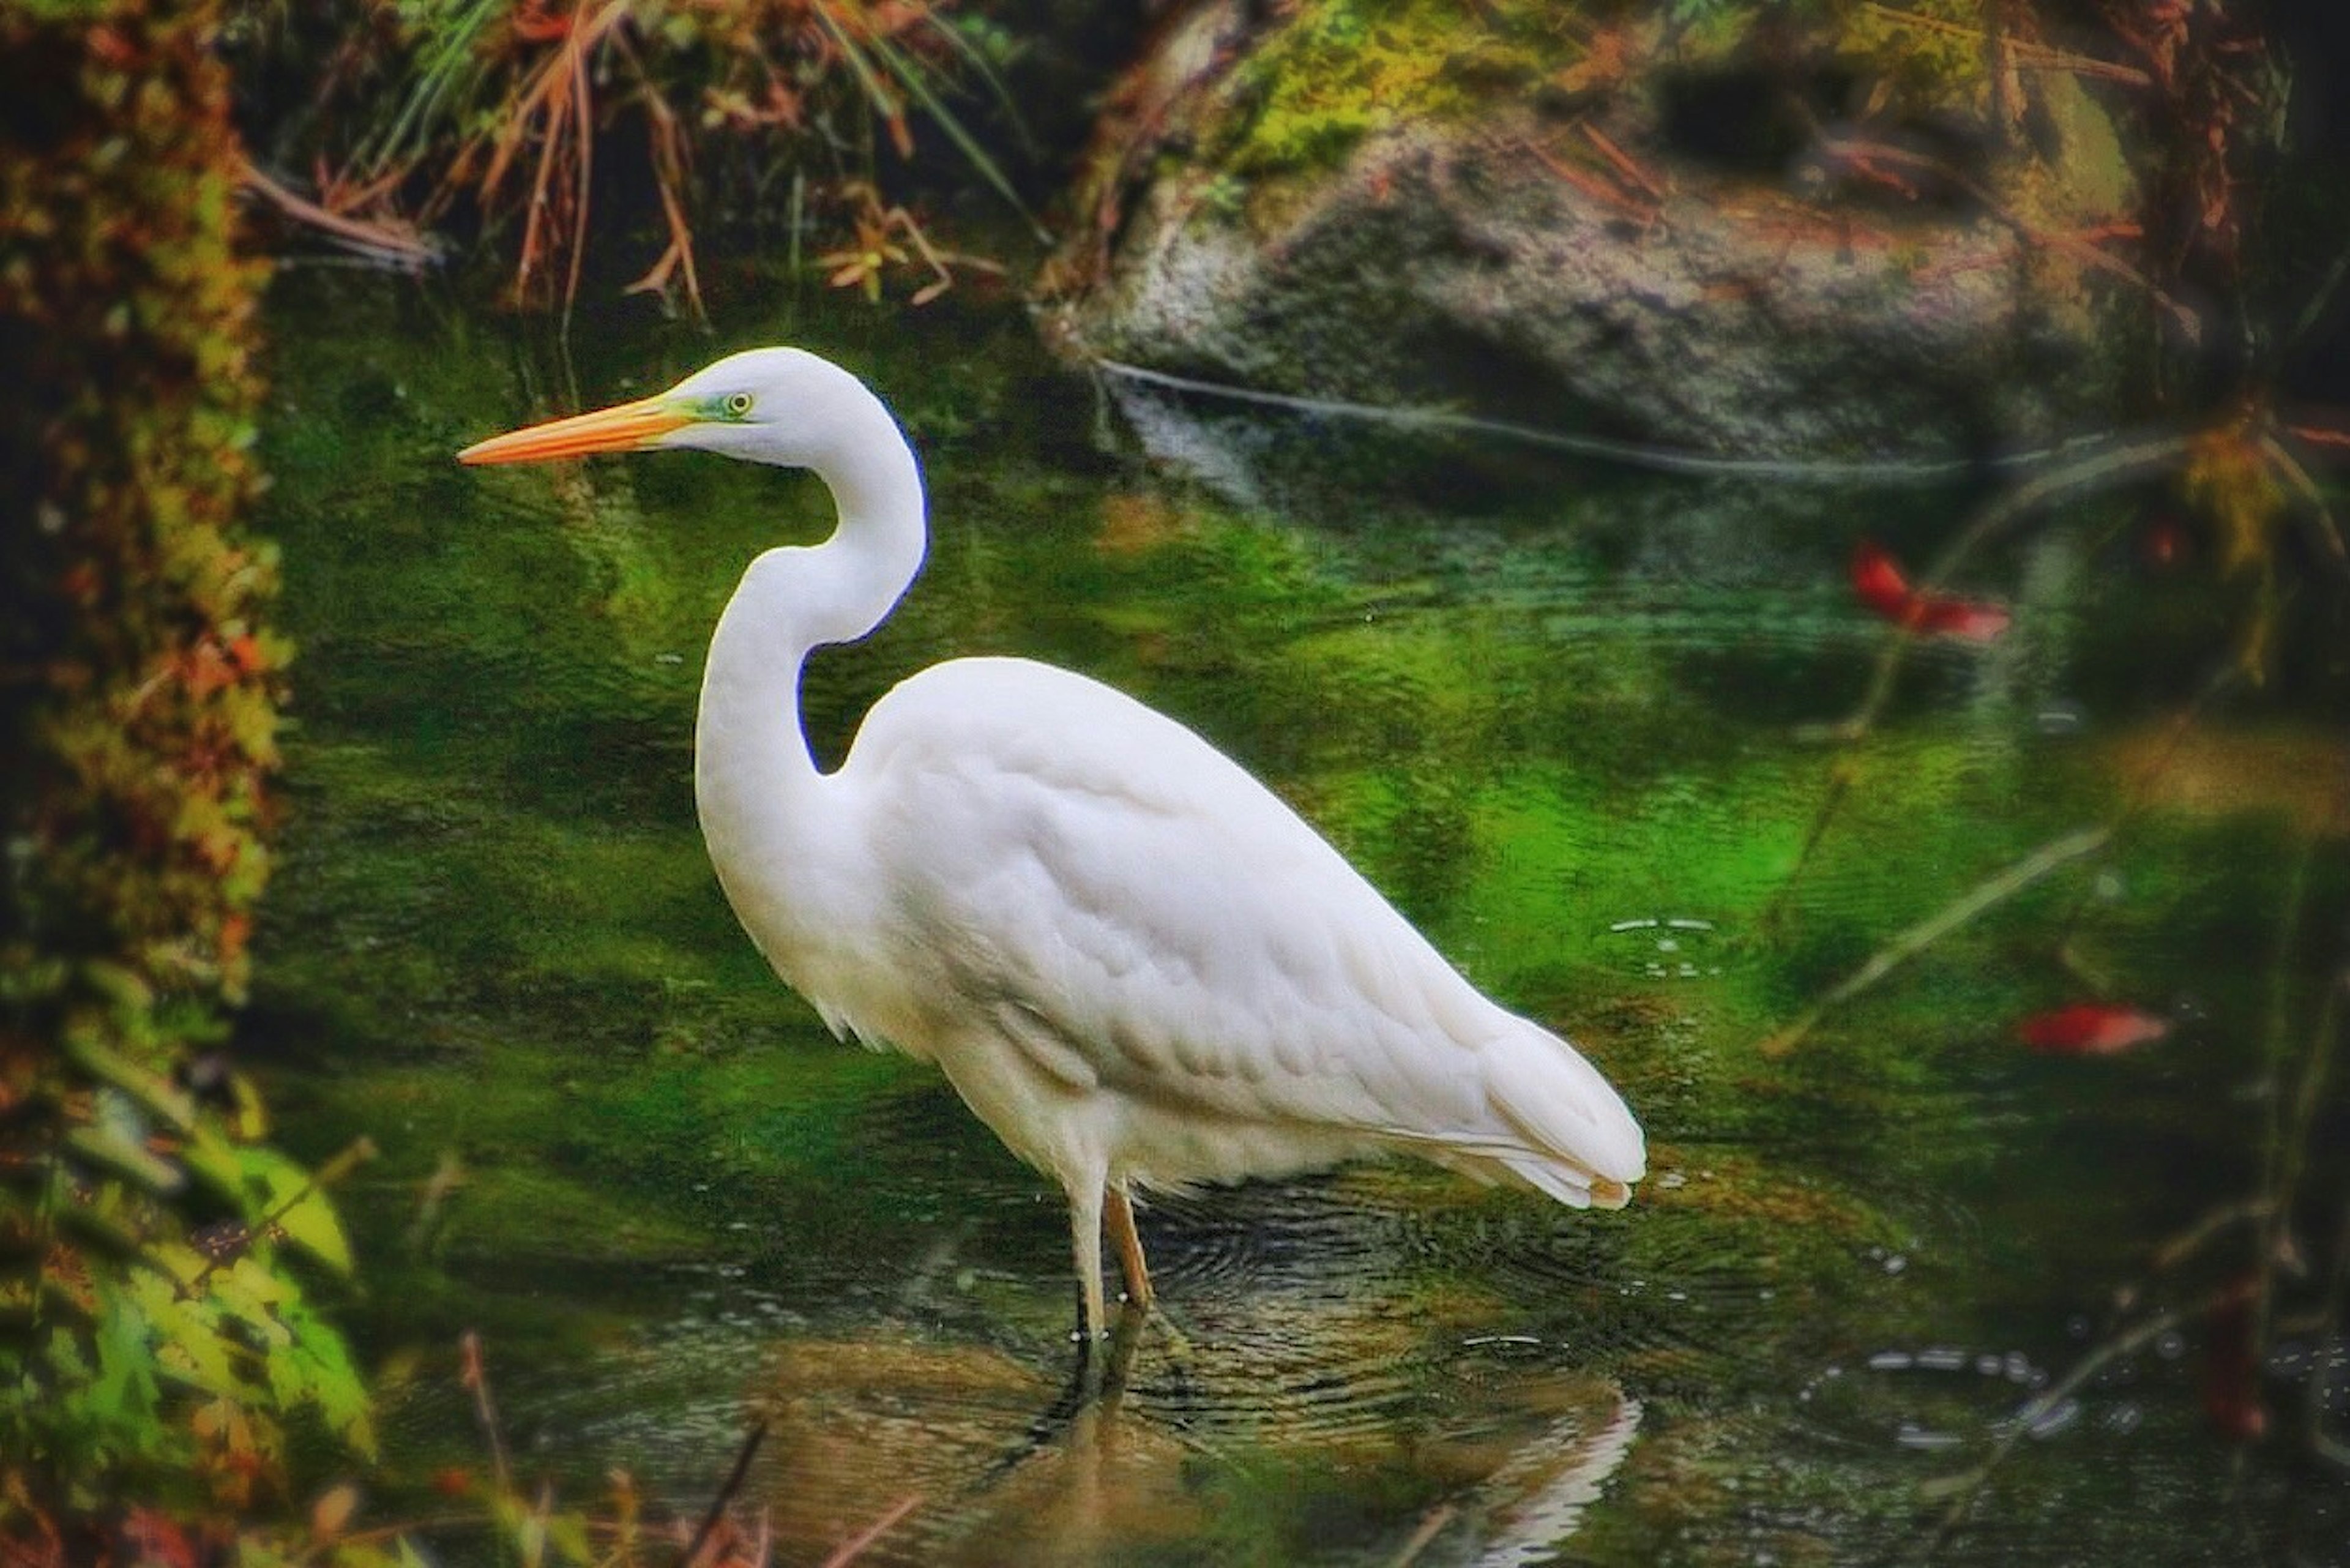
(1878, 582)
(2090, 1029)
(1962, 619)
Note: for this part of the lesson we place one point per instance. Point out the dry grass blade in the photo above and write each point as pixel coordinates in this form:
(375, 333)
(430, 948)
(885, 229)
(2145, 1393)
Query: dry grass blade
(396, 246)
(665, 140)
(511, 97)
(1969, 1486)
(2037, 56)
(476, 1377)
(850, 1550)
(555, 108)
(1430, 1529)
(1986, 895)
(877, 57)
(742, 1456)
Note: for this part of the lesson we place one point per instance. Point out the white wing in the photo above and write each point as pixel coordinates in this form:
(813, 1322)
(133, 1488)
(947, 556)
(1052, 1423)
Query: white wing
(1136, 912)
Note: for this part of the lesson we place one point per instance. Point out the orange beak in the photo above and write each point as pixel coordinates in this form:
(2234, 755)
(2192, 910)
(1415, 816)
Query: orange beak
(631, 427)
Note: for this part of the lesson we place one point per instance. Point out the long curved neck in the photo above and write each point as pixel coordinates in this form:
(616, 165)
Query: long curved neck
(762, 802)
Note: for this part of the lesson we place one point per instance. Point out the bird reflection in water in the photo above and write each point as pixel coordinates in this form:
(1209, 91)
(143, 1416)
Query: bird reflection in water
(1125, 1457)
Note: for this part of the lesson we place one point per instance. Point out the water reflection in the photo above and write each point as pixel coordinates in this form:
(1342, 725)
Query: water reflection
(1564, 736)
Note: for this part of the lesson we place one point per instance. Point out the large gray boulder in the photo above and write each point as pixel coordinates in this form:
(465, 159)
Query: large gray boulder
(1751, 249)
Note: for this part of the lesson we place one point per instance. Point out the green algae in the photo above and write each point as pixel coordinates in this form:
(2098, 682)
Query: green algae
(1334, 72)
(495, 920)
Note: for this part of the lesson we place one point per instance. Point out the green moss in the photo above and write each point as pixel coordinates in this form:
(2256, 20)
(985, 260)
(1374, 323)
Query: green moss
(1336, 71)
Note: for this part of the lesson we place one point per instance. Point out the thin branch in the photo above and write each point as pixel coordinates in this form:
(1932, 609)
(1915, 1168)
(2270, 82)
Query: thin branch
(1840, 779)
(356, 1153)
(2312, 499)
(2038, 56)
(392, 247)
(2196, 1237)
(2096, 455)
(1986, 895)
(855, 1546)
(2036, 1409)
(751, 1441)
(476, 1377)
(2141, 793)
(1430, 1529)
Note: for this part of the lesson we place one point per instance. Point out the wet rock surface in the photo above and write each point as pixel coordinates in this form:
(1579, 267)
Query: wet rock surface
(1784, 259)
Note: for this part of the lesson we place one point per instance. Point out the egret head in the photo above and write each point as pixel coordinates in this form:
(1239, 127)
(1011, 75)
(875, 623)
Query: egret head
(781, 405)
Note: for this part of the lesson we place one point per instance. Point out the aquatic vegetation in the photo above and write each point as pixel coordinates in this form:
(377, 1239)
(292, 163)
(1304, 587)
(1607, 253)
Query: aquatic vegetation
(508, 105)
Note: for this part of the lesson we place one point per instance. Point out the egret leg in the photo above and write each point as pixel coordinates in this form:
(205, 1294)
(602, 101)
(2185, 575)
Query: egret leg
(1129, 1248)
(1085, 1232)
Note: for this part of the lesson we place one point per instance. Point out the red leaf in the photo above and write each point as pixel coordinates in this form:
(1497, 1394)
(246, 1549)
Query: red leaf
(534, 24)
(245, 653)
(1878, 581)
(452, 1480)
(1958, 619)
(2090, 1029)
(157, 1538)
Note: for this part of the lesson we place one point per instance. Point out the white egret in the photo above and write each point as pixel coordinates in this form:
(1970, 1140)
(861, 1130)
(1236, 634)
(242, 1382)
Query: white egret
(1136, 965)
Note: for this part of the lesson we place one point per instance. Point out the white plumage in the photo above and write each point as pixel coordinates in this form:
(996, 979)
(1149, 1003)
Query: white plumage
(1133, 962)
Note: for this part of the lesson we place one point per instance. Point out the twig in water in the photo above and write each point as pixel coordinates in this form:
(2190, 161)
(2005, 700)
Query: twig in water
(469, 1349)
(1840, 779)
(2312, 499)
(1430, 1529)
(1892, 471)
(2196, 1237)
(2048, 858)
(2036, 1409)
(751, 1441)
(854, 1547)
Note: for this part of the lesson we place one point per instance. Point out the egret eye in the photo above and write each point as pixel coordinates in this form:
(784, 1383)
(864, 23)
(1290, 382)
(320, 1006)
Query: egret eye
(738, 405)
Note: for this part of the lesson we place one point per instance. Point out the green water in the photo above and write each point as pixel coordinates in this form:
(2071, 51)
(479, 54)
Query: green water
(1567, 734)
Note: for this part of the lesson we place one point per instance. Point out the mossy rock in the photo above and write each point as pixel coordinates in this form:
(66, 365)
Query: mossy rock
(1815, 233)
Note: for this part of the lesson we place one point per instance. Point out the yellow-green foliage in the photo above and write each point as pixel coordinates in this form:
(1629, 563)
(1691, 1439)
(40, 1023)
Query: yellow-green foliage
(1338, 70)
(153, 1345)
(1932, 50)
(1333, 71)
